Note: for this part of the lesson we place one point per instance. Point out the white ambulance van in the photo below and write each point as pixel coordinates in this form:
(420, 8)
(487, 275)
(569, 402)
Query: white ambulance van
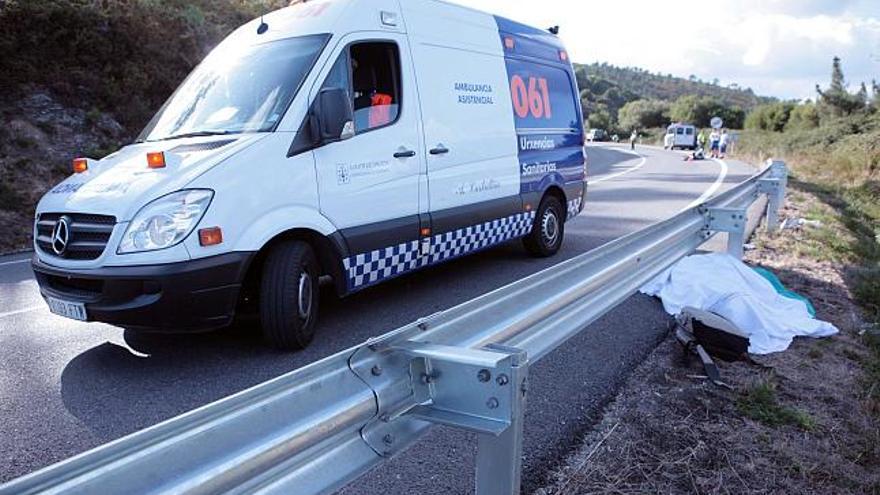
(680, 135)
(355, 139)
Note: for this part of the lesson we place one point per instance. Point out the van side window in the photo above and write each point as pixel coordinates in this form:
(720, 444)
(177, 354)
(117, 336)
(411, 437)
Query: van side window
(375, 74)
(679, 130)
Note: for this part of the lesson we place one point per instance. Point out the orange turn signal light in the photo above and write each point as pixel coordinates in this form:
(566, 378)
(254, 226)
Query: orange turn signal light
(509, 43)
(156, 159)
(563, 55)
(210, 236)
(80, 165)
(425, 232)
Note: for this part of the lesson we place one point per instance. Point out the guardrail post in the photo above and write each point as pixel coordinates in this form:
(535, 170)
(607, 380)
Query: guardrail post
(499, 457)
(730, 220)
(478, 390)
(774, 187)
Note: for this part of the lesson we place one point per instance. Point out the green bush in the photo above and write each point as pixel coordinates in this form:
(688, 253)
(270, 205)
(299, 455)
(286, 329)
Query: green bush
(641, 114)
(803, 117)
(770, 117)
(699, 110)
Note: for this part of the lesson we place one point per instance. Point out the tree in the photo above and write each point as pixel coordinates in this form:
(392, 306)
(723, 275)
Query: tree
(641, 114)
(836, 101)
(862, 95)
(875, 90)
(770, 117)
(699, 110)
(803, 116)
(686, 109)
(600, 118)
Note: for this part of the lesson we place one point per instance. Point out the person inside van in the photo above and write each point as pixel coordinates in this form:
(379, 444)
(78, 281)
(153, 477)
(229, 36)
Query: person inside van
(374, 86)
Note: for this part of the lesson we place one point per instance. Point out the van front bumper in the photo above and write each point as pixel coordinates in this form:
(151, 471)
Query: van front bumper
(190, 296)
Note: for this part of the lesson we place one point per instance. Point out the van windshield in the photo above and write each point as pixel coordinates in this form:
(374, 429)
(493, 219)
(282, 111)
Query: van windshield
(237, 89)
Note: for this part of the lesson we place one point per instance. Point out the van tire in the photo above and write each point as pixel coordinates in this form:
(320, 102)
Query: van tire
(548, 230)
(289, 295)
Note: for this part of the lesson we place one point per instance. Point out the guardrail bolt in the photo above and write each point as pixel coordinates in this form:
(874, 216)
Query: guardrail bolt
(376, 370)
(502, 379)
(426, 378)
(492, 403)
(388, 439)
(484, 375)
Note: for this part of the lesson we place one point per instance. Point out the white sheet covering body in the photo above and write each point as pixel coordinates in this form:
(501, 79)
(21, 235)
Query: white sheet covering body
(724, 285)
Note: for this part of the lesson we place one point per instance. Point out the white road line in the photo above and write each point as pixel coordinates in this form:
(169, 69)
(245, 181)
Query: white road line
(618, 174)
(714, 187)
(16, 262)
(20, 311)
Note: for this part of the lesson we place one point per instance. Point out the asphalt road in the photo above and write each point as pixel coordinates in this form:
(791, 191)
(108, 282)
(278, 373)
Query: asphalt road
(67, 386)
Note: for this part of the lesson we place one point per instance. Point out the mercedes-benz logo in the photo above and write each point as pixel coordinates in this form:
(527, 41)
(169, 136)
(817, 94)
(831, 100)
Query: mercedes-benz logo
(61, 235)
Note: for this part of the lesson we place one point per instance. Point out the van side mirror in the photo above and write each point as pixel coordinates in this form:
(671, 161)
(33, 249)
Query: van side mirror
(335, 117)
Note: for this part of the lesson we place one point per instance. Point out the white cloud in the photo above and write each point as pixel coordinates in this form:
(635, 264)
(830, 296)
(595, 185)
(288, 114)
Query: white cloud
(777, 47)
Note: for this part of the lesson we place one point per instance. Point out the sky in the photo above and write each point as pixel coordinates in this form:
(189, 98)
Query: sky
(779, 48)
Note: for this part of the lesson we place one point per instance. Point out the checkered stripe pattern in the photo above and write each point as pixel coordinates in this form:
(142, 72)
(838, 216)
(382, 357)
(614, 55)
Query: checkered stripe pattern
(369, 268)
(458, 242)
(574, 207)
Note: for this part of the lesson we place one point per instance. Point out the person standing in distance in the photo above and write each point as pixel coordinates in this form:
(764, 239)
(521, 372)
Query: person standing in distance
(724, 141)
(714, 143)
(632, 139)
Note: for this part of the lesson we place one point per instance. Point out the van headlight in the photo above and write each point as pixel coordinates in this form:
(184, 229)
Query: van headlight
(166, 221)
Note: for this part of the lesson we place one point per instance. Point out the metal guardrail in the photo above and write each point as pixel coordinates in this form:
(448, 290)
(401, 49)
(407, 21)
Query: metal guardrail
(316, 429)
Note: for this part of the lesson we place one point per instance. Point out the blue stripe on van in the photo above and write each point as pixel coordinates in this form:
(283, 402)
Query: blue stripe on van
(546, 109)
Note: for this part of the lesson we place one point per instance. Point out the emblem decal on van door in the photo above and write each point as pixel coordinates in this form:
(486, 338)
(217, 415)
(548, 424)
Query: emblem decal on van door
(346, 173)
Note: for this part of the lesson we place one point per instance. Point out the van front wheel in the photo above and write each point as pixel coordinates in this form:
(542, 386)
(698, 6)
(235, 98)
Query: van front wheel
(289, 295)
(548, 230)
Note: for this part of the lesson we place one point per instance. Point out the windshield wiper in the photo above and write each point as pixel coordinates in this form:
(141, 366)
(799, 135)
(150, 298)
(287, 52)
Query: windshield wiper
(197, 134)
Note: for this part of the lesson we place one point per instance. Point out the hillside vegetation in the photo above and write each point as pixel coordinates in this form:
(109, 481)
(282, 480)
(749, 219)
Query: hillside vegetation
(617, 98)
(119, 56)
(82, 77)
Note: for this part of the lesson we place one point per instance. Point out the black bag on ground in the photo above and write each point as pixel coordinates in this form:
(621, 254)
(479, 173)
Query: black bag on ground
(716, 334)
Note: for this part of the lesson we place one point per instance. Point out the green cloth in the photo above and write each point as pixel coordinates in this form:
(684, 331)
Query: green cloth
(780, 289)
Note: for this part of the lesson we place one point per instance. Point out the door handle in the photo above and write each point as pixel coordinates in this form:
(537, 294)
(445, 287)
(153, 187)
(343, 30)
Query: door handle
(439, 150)
(405, 154)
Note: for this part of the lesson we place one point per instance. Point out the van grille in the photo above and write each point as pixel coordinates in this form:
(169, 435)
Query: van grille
(89, 234)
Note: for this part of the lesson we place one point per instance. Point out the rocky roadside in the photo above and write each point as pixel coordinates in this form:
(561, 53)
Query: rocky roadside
(807, 421)
(39, 137)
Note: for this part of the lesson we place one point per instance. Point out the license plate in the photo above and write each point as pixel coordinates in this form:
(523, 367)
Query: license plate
(67, 309)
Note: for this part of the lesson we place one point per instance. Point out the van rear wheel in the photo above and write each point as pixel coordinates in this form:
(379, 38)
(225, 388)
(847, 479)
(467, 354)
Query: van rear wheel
(548, 229)
(289, 295)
